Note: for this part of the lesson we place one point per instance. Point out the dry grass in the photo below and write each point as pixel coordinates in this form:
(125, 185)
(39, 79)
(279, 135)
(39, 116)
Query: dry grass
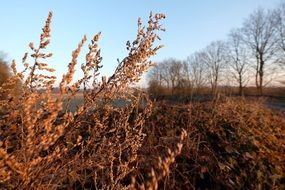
(231, 144)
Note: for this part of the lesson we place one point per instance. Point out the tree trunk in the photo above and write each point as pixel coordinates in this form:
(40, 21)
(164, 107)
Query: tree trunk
(240, 85)
(261, 77)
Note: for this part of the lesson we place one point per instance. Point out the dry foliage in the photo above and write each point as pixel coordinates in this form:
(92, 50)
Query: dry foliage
(43, 146)
(231, 144)
(5, 74)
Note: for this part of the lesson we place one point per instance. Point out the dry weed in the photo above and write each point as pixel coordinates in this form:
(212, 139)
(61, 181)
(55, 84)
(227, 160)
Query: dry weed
(44, 146)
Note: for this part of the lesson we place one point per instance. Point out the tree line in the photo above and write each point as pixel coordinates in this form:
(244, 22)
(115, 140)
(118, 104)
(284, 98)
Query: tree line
(251, 55)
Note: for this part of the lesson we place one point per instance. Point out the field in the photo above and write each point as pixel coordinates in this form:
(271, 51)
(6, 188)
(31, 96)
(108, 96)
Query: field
(232, 144)
(275, 103)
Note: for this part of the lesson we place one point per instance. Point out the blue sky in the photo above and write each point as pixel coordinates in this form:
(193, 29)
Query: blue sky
(190, 26)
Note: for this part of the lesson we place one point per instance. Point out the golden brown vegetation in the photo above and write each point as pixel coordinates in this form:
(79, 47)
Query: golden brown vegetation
(45, 147)
(4, 76)
(229, 143)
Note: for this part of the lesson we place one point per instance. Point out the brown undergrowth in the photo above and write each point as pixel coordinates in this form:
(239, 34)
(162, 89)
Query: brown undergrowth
(231, 144)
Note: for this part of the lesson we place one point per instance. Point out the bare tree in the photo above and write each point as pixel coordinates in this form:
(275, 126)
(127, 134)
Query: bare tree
(238, 59)
(259, 33)
(171, 72)
(158, 77)
(175, 71)
(168, 73)
(186, 75)
(164, 73)
(155, 75)
(279, 14)
(214, 58)
(280, 17)
(155, 80)
(195, 69)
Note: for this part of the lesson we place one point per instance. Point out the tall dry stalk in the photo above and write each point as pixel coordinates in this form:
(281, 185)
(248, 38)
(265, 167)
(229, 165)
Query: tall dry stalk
(44, 146)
